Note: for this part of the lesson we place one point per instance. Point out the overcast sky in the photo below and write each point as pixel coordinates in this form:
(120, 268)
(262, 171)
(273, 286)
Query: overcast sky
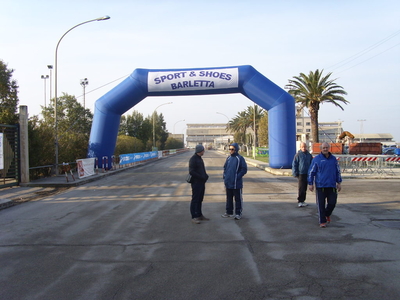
(358, 41)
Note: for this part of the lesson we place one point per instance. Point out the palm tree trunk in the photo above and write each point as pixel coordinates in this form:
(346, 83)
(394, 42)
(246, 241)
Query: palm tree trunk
(314, 124)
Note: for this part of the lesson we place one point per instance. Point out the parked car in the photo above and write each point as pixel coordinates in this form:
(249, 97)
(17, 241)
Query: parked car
(388, 151)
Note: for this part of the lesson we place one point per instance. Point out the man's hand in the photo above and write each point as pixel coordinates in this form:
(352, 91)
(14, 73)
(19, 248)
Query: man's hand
(338, 186)
(311, 188)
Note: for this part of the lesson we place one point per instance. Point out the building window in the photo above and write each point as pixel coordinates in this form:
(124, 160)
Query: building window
(308, 123)
(298, 123)
(308, 130)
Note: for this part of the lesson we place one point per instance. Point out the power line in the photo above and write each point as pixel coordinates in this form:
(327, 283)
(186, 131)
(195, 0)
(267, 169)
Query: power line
(365, 51)
(367, 59)
(104, 85)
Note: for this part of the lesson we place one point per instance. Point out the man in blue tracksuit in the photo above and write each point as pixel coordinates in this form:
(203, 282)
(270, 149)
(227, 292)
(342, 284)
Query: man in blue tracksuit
(325, 173)
(300, 165)
(235, 168)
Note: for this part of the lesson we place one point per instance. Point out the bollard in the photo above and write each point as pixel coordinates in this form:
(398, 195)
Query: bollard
(96, 165)
(65, 170)
(104, 162)
(113, 162)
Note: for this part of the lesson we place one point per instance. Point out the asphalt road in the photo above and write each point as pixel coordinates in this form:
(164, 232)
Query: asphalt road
(130, 236)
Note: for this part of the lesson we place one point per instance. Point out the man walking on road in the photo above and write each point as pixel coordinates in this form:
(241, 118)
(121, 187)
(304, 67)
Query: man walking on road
(198, 183)
(325, 172)
(235, 168)
(301, 163)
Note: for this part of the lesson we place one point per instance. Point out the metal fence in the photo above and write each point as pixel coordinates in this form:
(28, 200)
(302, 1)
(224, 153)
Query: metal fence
(369, 164)
(9, 155)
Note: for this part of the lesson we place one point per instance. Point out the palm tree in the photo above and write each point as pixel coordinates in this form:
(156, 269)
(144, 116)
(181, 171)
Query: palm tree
(313, 90)
(245, 120)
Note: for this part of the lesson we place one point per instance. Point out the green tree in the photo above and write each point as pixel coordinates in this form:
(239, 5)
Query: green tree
(263, 130)
(74, 125)
(41, 147)
(160, 130)
(128, 144)
(173, 143)
(133, 125)
(311, 91)
(8, 96)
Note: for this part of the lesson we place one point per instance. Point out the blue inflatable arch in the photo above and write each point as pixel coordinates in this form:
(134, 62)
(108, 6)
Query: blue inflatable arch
(202, 81)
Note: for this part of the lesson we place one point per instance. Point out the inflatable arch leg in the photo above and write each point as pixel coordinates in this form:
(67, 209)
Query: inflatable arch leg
(202, 81)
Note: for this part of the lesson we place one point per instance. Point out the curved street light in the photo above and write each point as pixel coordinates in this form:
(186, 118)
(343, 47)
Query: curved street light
(177, 123)
(55, 86)
(154, 124)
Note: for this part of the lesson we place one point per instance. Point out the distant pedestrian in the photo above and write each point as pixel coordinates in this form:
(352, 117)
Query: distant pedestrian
(301, 163)
(324, 172)
(198, 183)
(235, 168)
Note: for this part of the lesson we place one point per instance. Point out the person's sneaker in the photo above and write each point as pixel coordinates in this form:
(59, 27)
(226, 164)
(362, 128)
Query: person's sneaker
(238, 217)
(203, 218)
(328, 219)
(225, 215)
(304, 204)
(322, 225)
(196, 221)
(300, 204)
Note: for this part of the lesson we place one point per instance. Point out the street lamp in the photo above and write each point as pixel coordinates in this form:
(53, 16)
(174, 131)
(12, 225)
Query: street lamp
(361, 128)
(50, 67)
(227, 124)
(44, 77)
(84, 83)
(55, 86)
(175, 124)
(154, 123)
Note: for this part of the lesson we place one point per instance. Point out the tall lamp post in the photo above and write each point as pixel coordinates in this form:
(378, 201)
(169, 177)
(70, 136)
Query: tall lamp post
(154, 123)
(227, 124)
(45, 77)
(50, 67)
(361, 128)
(84, 83)
(55, 87)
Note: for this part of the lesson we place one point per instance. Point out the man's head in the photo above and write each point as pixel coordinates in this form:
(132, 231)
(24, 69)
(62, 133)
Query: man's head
(303, 147)
(325, 147)
(233, 148)
(199, 150)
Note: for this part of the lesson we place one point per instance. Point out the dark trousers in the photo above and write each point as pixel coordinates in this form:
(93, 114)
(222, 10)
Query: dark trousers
(326, 202)
(237, 194)
(303, 185)
(198, 190)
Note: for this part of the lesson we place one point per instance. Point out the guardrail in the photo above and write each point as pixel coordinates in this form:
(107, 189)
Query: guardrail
(368, 164)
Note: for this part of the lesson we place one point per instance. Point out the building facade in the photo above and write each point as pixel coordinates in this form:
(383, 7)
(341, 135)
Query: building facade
(211, 135)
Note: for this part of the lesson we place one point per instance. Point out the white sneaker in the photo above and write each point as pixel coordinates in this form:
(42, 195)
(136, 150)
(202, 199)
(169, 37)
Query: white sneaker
(300, 204)
(238, 217)
(225, 215)
(305, 204)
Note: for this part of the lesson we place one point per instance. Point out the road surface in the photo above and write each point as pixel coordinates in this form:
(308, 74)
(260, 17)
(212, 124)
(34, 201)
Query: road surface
(130, 236)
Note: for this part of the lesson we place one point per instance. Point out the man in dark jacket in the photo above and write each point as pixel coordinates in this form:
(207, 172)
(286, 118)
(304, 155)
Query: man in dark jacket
(235, 168)
(325, 173)
(198, 182)
(301, 163)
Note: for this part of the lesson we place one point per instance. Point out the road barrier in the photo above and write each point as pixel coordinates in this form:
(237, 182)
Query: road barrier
(368, 164)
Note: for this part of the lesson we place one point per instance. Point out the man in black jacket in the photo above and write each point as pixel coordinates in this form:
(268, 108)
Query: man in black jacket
(198, 182)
